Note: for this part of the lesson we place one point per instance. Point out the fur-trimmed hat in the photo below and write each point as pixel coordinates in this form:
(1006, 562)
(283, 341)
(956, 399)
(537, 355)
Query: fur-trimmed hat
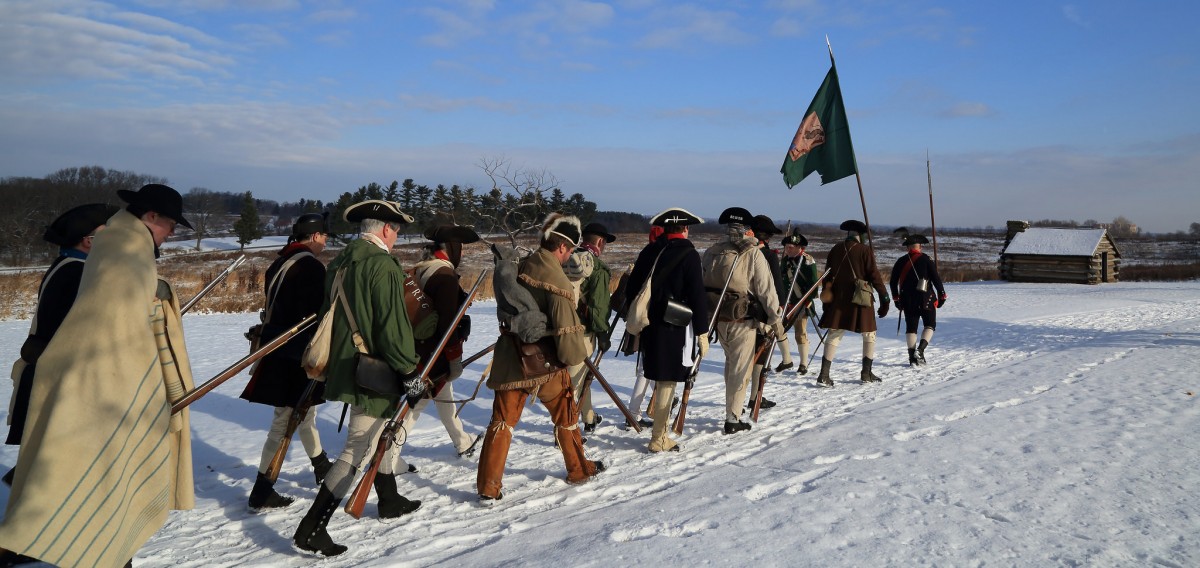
(78, 222)
(738, 215)
(915, 239)
(763, 225)
(565, 226)
(600, 231)
(388, 211)
(159, 198)
(451, 234)
(853, 225)
(675, 216)
(796, 239)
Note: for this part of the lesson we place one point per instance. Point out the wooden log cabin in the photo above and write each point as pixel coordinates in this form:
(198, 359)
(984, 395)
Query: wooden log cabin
(1076, 256)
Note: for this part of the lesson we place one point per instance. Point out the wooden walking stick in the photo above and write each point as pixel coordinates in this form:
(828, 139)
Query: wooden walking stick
(208, 288)
(358, 498)
(195, 394)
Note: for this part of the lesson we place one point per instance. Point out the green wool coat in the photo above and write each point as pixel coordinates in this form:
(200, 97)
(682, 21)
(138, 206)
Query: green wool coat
(374, 287)
(595, 295)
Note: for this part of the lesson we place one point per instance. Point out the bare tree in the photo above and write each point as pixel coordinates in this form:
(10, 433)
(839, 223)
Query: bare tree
(206, 212)
(516, 202)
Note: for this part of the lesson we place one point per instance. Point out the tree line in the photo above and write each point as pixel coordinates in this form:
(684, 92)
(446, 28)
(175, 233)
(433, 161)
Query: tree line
(516, 203)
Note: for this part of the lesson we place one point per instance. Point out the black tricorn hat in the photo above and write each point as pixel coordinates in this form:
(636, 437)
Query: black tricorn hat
(795, 239)
(737, 215)
(915, 239)
(853, 225)
(311, 223)
(451, 234)
(78, 222)
(764, 225)
(388, 211)
(600, 231)
(900, 231)
(675, 216)
(158, 198)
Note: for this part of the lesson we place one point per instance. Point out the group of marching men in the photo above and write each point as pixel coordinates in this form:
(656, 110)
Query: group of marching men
(104, 455)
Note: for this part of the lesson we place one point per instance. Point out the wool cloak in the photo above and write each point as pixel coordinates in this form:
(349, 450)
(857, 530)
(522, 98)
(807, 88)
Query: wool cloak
(102, 459)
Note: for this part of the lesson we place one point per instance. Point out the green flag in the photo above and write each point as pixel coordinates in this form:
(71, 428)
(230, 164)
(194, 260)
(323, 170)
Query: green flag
(822, 143)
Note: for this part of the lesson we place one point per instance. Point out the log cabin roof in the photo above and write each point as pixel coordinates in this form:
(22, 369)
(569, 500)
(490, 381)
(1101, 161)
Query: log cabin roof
(1056, 242)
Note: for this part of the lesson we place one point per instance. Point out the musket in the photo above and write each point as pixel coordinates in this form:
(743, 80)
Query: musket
(482, 377)
(770, 345)
(358, 498)
(195, 394)
(587, 381)
(299, 411)
(208, 288)
(612, 394)
(677, 427)
(932, 224)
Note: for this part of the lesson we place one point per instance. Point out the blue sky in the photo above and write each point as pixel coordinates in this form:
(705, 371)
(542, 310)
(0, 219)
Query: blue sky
(1028, 110)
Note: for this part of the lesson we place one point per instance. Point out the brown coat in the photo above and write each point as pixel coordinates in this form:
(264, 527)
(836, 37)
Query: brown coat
(847, 261)
(543, 276)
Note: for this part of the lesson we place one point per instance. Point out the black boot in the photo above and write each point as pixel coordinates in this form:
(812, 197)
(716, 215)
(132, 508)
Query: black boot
(8, 477)
(823, 378)
(391, 503)
(921, 350)
(783, 367)
(867, 376)
(912, 357)
(735, 427)
(264, 496)
(321, 465)
(802, 370)
(311, 535)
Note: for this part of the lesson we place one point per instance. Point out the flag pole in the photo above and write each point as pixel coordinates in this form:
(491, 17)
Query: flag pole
(858, 177)
(932, 224)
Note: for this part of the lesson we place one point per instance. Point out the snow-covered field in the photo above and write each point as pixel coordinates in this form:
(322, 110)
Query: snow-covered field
(1056, 425)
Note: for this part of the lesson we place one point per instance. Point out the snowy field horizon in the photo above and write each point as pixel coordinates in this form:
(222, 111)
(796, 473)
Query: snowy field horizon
(1055, 425)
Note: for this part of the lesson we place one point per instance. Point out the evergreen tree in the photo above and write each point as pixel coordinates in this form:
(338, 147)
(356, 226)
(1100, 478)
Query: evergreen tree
(247, 226)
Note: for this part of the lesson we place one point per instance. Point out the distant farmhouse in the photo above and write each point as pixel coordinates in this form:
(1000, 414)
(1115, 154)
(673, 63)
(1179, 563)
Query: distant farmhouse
(1077, 256)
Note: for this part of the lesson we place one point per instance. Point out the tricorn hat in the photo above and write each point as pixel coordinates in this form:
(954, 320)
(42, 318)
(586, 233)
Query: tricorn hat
(763, 225)
(565, 226)
(737, 215)
(78, 222)
(600, 231)
(310, 223)
(158, 198)
(915, 239)
(675, 216)
(451, 234)
(853, 225)
(388, 211)
(795, 239)
(901, 232)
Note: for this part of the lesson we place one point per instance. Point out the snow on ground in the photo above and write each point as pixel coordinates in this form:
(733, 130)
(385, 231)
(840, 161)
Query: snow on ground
(1056, 425)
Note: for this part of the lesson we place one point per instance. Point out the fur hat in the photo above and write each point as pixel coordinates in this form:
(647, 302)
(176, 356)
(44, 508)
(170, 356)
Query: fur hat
(675, 216)
(600, 231)
(737, 215)
(915, 239)
(853, 225)
(158, 198)
(565, 226)
(78, 222)
(388, 211)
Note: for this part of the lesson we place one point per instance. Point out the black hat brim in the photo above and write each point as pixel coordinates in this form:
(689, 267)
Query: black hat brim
(853, 225)
(599, 230)
(737, 215)
(161, 199)
(78, 222)
(386, 211)
(452, 234)
(675, 216)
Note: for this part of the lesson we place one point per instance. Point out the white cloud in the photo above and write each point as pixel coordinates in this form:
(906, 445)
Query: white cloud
(676, 27)
(968, 109)
(1072, 13)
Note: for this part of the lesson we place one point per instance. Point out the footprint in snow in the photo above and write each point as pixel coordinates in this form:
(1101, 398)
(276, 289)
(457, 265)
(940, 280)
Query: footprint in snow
(930, 432)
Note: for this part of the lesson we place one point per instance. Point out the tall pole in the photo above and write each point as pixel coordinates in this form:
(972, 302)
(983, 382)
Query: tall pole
(932, 224)
(861, 197)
